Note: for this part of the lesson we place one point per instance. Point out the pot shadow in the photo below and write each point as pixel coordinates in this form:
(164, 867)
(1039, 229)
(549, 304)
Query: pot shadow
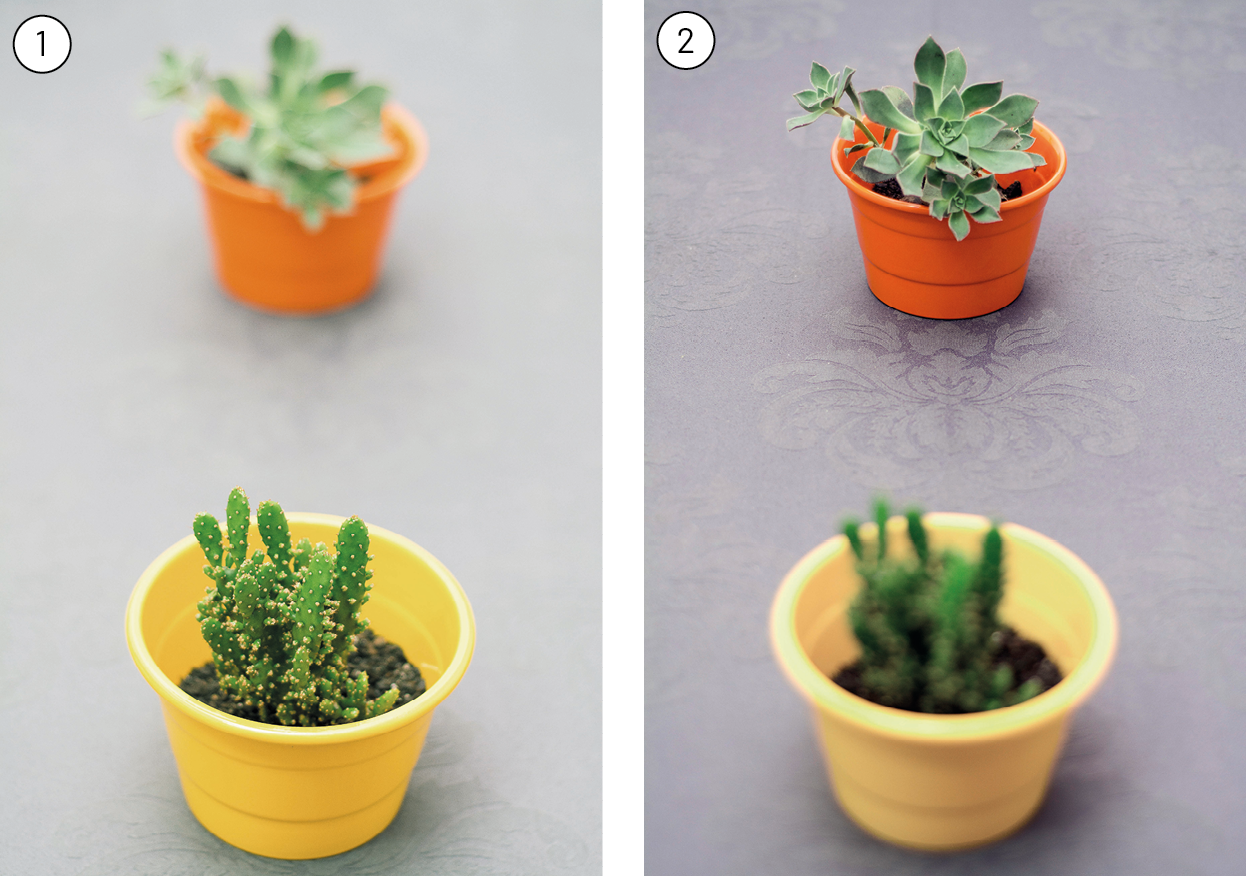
(450, 823)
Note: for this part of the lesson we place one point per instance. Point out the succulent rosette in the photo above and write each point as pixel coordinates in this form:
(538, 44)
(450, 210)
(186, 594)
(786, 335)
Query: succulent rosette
(949, 141)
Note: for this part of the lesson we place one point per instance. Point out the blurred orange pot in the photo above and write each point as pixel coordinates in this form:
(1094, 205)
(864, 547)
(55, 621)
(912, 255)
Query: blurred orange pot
(913, 262)
(264, 256)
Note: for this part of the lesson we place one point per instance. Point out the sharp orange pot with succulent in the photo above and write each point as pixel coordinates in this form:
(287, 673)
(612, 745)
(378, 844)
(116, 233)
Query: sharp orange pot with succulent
(299, 180)
(949, 193)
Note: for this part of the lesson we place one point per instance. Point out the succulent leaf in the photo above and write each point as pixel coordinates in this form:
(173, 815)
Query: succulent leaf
(878, 106)
(232, 93)
(819, 76)
(952, 108)
(801, 121)
(1005, 141)
(980, 129)
(930, 145)
(979, 185)
(899, 100)
(910, 177)
(929, 65)
(981, 95)
(923, 102)
(948, 163)
(959, 224)
(990, 197)
(1015, 110)
(1001, 162)
(866, 174)
(845, 81)
(882, 160)
(809, 98)
(960, 146)
(953, 71)
(905, 147)
(985, 214)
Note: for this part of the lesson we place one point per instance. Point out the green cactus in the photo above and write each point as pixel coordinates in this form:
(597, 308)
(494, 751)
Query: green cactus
(307, 127)
(280, 624)
(949, 143)
(928, 624)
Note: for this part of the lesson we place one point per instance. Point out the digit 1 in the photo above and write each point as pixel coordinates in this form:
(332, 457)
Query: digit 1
(41, 43)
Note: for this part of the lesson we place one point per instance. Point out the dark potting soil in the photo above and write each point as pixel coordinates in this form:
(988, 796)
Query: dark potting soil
(384, 662)
(890, 188)
(1027, 659)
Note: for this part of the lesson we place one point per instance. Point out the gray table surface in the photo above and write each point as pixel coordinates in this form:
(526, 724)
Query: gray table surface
(1103, 408)
(459, 406)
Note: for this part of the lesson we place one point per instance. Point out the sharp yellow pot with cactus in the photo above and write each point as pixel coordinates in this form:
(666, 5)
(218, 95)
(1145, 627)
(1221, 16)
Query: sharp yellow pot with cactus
(943, 782)
(299, 791)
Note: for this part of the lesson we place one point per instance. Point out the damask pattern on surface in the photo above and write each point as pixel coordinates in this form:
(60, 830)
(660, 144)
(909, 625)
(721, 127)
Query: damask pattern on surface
(711, 238)
(908, 404)
(1176, 242)
(703, 559)
(1187, 608)
(1187, 40)
(749, 30)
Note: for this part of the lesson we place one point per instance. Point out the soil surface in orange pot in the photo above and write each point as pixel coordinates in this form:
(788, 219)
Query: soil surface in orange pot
(385, 663)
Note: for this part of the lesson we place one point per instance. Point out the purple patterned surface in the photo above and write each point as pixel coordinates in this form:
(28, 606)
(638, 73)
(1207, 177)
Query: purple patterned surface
(1103, 408)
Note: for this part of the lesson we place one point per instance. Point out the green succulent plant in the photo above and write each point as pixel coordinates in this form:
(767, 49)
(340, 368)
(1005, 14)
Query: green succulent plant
(307, 127)
(281, 623)
(928, 623)
(949, 140)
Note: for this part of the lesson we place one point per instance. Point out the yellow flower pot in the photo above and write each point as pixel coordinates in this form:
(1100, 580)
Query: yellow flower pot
(300, 792)
(944, 782)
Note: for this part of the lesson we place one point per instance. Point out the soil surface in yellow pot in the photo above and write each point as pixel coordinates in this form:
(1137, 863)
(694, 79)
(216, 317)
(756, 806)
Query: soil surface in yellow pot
(945, 782)
(301, 792)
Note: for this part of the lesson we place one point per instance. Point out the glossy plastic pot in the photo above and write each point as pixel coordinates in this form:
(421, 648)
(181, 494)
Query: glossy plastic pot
(915, 264)
(300, 792)
(264, 256)
(944, 782)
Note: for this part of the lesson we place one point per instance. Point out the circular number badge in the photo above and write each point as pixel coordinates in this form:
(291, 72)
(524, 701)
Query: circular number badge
(685, 40)
(41, 44)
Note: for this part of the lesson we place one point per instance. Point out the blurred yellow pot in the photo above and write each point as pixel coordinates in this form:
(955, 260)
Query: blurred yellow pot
(300, 792)
(944, 782)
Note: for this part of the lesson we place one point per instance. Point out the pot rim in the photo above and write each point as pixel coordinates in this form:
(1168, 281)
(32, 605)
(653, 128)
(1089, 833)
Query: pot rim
(173, 695)
(825, 695)
(206, 172)
(858, 188)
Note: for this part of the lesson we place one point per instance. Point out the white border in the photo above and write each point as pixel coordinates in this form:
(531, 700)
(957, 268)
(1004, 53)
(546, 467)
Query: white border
(623, 640)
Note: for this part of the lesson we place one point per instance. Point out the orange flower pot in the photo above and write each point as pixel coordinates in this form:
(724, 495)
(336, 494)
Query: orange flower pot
(913, 262)
(264, 256)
